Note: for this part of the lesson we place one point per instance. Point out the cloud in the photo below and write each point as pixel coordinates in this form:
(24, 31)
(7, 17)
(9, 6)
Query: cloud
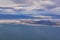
(22, 1)
(48, 6)
(56, 11)
(7, 11)
(6, 2)
(57, 2)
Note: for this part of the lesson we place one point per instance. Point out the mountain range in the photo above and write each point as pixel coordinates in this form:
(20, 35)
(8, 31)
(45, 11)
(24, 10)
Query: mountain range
(9, 16)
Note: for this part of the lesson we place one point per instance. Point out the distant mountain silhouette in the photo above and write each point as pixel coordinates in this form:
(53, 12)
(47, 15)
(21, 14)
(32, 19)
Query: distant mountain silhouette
(8, 16)
(53, 15)
(45, 22)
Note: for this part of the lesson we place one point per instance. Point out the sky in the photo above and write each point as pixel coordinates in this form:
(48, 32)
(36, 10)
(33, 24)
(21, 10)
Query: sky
(47, 6)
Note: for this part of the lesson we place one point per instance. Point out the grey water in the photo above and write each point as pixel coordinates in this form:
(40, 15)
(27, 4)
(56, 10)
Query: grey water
(27, 32)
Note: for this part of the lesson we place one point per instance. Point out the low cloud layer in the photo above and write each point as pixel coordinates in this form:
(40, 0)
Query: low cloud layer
(50, 6)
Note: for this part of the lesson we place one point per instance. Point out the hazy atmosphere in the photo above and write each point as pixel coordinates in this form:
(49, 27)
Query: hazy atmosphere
(29, 19)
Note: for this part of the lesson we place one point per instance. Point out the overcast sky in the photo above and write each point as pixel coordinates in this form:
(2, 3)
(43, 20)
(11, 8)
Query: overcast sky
(10, 2)
(47, 5)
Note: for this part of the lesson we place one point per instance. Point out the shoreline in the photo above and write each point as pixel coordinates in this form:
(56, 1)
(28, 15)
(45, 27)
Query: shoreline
(25, 22)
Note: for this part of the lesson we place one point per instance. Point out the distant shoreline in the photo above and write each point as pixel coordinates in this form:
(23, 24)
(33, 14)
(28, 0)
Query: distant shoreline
(25, 22)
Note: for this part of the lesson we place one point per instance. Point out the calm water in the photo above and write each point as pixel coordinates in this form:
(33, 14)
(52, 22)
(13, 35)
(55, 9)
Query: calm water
(25, 32)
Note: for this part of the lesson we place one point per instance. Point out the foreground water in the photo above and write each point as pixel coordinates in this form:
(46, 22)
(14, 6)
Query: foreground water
(27, 32)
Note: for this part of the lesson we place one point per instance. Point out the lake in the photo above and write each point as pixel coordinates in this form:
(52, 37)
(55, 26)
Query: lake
(27, 32)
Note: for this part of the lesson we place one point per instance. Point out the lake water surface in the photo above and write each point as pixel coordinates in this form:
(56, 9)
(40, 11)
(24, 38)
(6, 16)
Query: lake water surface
(27, 32)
